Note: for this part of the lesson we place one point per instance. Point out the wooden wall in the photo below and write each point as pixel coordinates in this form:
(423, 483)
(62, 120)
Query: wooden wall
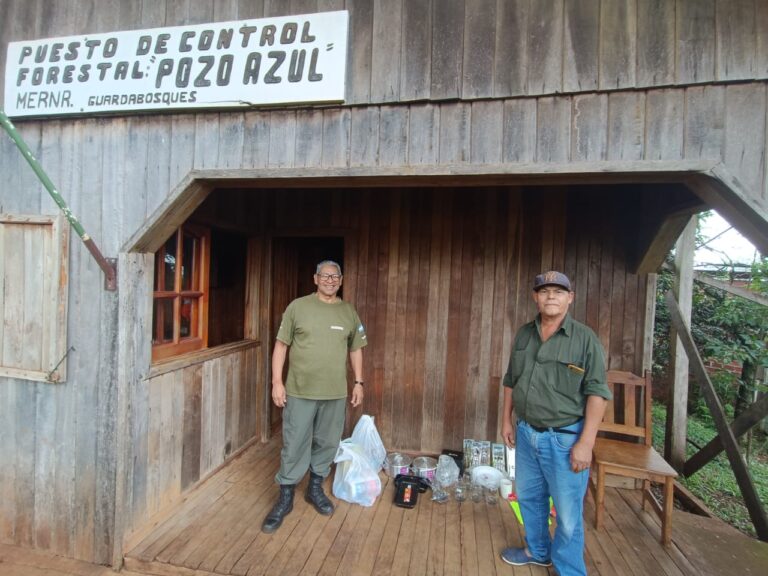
(406, 50)
(188, 421)
(441, 82)
(442, 279)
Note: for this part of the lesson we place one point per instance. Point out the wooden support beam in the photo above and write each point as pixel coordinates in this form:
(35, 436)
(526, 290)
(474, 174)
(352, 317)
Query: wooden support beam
(677, 407)
(740, 470)
(739, 427)
(730, 289)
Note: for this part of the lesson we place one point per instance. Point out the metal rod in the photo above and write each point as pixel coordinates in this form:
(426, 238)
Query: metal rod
(110, 270)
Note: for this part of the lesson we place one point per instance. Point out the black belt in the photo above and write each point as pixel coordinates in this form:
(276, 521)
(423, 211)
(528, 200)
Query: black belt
(560, 430)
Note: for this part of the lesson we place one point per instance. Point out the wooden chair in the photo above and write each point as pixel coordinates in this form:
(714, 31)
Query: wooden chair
(632, 459)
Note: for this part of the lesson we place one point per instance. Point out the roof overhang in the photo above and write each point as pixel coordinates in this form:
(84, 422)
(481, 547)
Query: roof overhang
(709, 180)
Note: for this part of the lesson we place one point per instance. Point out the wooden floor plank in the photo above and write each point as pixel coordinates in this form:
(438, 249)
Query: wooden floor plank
(339, 545)
(483, 538)
(370, 547)
(388, 542)
(468, 541)
(406, 539)
(421, 539)
(436, 547)
(325, 540)
(216, 532)
(630, 533)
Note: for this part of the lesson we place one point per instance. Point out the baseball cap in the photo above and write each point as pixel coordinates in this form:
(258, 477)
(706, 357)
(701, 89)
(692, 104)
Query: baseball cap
(551, 278)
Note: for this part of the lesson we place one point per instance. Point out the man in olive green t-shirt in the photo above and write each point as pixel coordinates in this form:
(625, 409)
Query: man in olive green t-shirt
(320, 330)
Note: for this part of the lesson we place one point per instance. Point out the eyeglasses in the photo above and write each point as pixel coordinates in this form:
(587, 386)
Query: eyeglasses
(329, 277)
(553, 291)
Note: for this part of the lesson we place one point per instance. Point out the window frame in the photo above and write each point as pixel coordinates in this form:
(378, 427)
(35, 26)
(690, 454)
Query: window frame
(200, 290)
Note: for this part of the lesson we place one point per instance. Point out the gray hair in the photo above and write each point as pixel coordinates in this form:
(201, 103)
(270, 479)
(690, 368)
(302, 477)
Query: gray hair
(328, 263)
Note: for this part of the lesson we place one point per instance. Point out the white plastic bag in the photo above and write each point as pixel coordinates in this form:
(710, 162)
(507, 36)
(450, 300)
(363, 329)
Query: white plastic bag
(355, 480)
(366, 436)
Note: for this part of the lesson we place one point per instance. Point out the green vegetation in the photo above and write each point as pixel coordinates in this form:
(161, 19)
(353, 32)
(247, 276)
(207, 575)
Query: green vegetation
(715, 484)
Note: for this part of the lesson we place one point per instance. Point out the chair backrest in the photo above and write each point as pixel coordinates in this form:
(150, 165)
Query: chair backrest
(629, 413)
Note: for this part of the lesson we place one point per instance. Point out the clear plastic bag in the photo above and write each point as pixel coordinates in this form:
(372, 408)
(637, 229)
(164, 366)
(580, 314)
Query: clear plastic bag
(366, 436)
(355, 480)
(447, 473)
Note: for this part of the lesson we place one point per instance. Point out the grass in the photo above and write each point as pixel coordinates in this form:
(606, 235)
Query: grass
(715, 483)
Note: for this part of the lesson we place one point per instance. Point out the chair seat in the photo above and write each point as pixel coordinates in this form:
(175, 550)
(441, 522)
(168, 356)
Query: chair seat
(635, 458)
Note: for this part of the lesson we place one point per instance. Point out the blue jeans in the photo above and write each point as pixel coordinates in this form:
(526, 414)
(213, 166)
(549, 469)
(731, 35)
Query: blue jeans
(543, 469)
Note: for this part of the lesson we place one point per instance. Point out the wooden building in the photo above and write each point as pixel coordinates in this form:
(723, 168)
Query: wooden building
(478, 143)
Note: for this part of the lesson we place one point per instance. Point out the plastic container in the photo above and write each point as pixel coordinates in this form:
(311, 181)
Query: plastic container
(396, 463)
(425, 467)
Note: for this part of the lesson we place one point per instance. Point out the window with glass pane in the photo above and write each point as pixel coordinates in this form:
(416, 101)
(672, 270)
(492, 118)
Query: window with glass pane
(180, 293)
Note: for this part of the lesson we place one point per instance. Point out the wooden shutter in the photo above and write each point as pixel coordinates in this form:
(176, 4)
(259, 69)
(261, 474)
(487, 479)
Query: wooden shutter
(33, 298)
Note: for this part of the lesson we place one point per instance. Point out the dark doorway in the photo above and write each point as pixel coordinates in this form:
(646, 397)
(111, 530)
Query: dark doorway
(294, 260)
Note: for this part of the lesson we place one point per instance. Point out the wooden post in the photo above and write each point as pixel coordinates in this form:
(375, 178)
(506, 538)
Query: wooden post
(677, 406)
(739, 466)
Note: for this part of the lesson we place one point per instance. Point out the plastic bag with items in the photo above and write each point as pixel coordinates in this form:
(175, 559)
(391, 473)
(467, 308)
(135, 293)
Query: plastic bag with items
(446, 475)
(367, 437)
(356, 481)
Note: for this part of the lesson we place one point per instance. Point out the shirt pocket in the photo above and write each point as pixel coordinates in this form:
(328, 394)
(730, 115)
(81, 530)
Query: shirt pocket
(571, 372)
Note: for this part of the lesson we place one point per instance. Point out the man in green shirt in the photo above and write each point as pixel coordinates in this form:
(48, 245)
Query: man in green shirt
(556, 386)
(321, 330)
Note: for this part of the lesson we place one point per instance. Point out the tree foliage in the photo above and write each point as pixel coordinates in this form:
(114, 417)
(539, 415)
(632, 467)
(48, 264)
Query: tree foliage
(726, 328)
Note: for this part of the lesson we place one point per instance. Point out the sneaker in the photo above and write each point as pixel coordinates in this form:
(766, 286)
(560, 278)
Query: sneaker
(519, 557)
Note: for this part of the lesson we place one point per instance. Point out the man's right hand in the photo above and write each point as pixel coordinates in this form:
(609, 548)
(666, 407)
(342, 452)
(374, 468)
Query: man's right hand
(278, 394)
(508, 434)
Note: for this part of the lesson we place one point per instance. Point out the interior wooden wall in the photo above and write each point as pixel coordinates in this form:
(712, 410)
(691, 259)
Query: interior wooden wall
(441, 278)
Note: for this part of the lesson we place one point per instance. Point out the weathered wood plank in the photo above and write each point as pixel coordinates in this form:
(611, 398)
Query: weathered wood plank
(360, 54)
(519, 139)
(626, 126)
(423, 134)
(364, 136)
(704, 122)
(664, 125)
(582, 30)
(735, 42)
(553, 130)
(386, 51)
(486, 132)
(655, 43)
(589, 136)
(618, 44)
(745, 139)
(455, 130)
(479, 48)
(309, 138)
(336, 127)
(695, 40)
(282, 139)
(545, 47)
(510, 75)
(415, 60)
(447, 26)
(393, 136)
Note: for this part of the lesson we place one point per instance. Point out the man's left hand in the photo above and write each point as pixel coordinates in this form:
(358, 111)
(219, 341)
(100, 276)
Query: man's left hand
(581, 456)
(357, 395)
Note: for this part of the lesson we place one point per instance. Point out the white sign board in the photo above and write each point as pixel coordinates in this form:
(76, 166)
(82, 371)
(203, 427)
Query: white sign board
(267, 61)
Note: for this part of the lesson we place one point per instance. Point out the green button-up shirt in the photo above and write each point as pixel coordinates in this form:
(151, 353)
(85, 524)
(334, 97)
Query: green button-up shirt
(551, 380)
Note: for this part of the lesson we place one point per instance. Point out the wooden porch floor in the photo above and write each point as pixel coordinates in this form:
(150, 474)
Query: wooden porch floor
(216, 530)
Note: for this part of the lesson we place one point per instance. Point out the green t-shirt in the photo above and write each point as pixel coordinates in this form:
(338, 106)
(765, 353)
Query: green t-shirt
(551, 380)
(320, 336)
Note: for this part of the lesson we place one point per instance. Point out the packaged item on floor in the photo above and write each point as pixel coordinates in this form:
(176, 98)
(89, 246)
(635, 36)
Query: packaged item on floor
(407, 489)
(499, 457)
(355, 480)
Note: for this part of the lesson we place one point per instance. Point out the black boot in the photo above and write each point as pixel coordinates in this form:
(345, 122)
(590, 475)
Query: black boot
(315, 495)
(280, 510)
